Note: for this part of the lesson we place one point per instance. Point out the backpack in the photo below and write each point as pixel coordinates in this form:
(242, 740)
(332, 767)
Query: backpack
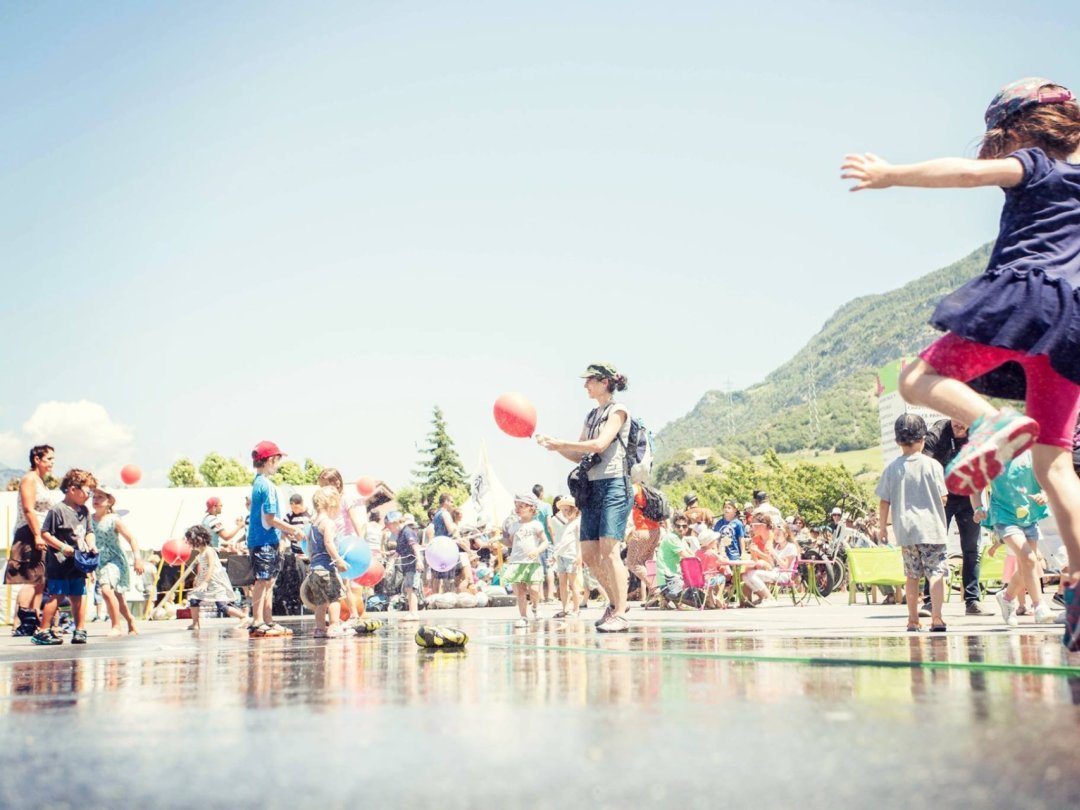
(657, 507)
(639, 452)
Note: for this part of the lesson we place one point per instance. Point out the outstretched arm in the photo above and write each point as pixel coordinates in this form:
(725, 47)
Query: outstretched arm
(870, 171)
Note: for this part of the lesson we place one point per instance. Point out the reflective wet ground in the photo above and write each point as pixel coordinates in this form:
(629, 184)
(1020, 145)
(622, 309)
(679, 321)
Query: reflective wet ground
(676, 715)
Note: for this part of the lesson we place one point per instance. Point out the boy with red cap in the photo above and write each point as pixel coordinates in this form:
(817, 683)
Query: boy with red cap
(264, 539)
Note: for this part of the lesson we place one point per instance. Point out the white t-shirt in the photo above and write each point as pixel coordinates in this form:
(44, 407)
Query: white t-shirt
(785, 555)
(568, 539)
(527, 537)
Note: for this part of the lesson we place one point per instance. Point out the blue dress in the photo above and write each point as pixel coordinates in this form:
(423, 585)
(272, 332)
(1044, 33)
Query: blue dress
(108, 546)
(1027, 298)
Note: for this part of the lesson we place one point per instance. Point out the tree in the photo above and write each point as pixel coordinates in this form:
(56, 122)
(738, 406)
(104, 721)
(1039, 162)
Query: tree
(409, 499)
(311, 471)
(442, 469)
(289, 473)
(183, 474)
(13, 484)
(218, 471)
(51, 481)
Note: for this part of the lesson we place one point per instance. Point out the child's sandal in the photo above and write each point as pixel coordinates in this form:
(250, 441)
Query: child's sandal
(914, 628)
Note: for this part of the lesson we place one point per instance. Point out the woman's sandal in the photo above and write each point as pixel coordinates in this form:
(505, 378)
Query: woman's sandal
(938, 628)
(914, 628)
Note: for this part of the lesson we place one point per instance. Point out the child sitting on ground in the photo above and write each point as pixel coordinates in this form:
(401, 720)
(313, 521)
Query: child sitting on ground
(212, 583)
(912, 490)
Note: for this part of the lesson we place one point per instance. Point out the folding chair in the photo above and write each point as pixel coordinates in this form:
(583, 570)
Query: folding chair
(656, 599)
(991, 570)
(883, 565)
(693, 577)
(788, 579)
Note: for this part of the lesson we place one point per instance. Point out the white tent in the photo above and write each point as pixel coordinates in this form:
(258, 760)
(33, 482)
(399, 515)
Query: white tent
(489, 501)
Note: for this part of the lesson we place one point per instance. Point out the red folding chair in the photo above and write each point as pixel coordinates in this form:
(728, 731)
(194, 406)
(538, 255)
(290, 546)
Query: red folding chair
(693, 576)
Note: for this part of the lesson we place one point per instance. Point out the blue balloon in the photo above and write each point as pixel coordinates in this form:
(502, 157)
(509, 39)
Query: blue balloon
(357, 555)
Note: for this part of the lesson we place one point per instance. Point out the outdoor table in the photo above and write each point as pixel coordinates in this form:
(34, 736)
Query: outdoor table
(811, 580)
(736, 575)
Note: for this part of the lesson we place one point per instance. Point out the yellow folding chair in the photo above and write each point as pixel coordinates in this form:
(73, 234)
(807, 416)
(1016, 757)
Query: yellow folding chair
(874, 566)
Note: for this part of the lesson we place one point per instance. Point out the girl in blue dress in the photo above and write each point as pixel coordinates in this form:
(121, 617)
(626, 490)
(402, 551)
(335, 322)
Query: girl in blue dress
(1014, 331)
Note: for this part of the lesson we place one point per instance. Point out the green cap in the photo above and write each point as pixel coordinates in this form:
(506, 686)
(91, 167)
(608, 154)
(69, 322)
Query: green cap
(604, 371)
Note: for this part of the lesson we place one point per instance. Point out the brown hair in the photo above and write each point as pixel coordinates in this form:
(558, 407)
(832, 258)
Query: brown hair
(1054, 128)
(75, 478)
(38, 452)
(198, 536)
(331, 477)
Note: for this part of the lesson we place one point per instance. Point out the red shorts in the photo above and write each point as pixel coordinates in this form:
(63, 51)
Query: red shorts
(1052, 400)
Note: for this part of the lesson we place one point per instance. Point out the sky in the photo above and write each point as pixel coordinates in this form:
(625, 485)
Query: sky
(312, 223)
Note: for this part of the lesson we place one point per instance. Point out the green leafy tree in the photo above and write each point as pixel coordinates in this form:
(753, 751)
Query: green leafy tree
(311, 471)
(183, 474)
(441, 469)
(411, 501)
(51, 481)
(811, 490)
(218, 471)
(290, 473)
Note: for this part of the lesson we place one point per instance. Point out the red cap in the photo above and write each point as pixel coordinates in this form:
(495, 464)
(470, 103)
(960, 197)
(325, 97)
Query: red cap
(264, 450)
(212, 502)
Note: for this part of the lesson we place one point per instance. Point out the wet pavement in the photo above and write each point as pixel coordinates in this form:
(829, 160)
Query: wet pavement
(682, 711)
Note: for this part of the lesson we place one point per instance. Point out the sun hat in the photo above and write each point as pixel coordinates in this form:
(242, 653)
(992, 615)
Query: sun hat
(604, 371)
(107, 492)
(408, 519)
(392, 517)
(836, 510)
(708, 536)
(528, 499)
(1020, 95)
(909, 428)
(265, 450)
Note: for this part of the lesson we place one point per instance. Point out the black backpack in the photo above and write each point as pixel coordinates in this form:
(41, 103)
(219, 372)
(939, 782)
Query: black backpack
(657, 507)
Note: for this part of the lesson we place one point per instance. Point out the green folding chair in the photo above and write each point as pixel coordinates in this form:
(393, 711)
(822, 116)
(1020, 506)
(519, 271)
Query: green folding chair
(991, 570)
(874, 566)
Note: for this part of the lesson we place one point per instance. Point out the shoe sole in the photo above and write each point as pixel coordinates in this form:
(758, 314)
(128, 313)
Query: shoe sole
(986, 463)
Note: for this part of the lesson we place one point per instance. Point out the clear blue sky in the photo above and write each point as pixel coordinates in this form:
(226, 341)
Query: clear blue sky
(222, 222)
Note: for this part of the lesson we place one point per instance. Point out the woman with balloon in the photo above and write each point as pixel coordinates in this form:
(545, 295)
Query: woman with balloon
(600, 453)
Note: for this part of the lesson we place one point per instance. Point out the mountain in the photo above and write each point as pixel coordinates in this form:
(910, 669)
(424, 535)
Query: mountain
(824, 397)
(7, 474)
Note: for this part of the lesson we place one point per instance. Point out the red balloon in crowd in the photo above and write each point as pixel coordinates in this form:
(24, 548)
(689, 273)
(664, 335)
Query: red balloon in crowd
(130, 474)
(365, 486)
(373, 576)
(515, 415)
(176, 551)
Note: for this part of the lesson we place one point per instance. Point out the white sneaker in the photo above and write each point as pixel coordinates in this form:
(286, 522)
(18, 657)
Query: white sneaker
(335, 631)
(521, 624)
(1008, 609)
(1043, 614)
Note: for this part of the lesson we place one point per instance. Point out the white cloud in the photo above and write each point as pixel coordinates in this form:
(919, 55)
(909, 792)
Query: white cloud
(12, 451)
(83, 434)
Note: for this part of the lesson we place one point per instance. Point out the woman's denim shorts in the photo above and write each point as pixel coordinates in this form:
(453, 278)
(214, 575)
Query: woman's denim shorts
(606, 510)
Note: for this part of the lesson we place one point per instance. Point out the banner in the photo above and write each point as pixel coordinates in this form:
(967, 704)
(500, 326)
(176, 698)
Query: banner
(489, 501)
(891, 405)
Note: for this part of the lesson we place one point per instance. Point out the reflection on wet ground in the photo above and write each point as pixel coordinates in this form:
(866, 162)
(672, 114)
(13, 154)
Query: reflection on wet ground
(557, 716)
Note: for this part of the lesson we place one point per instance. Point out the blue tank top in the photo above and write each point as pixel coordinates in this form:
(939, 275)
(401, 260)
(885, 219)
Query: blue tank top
(320, 557)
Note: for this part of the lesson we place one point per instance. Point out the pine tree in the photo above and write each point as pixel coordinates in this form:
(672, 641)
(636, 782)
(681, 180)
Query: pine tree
(441, 470)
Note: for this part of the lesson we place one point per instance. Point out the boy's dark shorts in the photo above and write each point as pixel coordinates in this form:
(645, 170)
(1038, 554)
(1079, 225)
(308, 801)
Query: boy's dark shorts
(265, 562)
(222, 607)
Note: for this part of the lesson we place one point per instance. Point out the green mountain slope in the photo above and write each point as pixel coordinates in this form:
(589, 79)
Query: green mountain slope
(835, 372)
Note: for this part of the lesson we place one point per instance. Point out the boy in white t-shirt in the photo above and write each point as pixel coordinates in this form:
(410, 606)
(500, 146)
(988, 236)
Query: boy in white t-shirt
(912, 487)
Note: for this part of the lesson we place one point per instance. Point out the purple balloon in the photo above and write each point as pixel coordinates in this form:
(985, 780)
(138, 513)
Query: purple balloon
(441, 554)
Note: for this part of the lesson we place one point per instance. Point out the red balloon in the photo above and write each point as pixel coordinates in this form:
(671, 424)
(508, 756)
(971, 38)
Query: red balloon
(372, 576)
(515, 415)
(130, 474)
(176, 551)
(365, 486)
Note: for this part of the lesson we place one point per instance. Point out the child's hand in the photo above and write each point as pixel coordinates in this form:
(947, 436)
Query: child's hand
(869, 171)
(1039, 498)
